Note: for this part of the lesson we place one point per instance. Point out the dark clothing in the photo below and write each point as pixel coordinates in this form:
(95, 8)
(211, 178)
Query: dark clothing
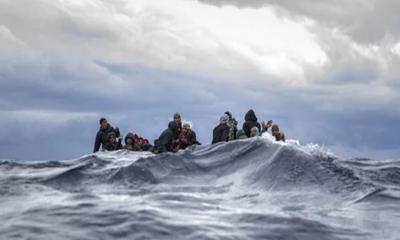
(102, 137)
(166, 139)
(250, 122)
(220, 133)
(280, 137)
(186, 140)
(113, 146)
(133, 146)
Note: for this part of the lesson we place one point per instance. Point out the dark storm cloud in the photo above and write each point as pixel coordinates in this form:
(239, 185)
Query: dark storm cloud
(78, 62)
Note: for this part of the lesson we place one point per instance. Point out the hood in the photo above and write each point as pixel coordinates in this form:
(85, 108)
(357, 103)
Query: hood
(224, 119)
(173, 126)
(129, 135)
(250, 116)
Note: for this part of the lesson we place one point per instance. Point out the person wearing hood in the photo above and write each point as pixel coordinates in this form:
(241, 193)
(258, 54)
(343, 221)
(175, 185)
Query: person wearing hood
(221, 132)
(187, 137)
(250, 122)
(279, 135)
(112, 144)
(232, 124)
(130, 143)
(102, 135)
(167, 137)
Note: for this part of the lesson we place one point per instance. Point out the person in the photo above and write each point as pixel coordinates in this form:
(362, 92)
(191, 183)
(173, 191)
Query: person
(266, 126)
(102, 134)
(187, 137)
(241, 134)
(165, 142)
(221, 132)
(254, 132)
(178, 120)
(232, 124)
(130, 143)
(279, 136)
(112, 144)
(250, 122)
(146, 146)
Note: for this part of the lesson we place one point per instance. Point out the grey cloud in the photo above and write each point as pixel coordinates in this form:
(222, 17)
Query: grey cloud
(365, 21)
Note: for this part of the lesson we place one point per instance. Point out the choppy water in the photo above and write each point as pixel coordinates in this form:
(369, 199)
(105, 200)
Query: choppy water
(250, 189)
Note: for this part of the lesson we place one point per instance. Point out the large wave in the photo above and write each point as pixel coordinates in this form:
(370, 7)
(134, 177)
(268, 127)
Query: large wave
(254, 181)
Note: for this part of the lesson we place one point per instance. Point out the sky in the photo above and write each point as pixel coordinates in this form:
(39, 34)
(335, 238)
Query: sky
(326, 71)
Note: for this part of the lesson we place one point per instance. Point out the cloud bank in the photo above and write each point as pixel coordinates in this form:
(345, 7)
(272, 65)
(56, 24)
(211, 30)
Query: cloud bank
(326, 72)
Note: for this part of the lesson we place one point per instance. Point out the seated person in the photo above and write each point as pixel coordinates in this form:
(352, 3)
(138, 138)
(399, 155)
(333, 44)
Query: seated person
(165, 142)
(187, 137)
(102, 135)
(221, 132)
(279, 136)
(241, 134)
(146, 146)
(254, 132)
(250, 122)
(113, 144)
(232, 124)
(130, 143)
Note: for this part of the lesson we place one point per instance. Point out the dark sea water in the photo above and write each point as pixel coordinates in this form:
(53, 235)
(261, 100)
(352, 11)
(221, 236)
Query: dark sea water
(249, 189)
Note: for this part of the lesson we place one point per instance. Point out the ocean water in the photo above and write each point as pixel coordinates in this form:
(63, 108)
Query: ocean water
(248, 189)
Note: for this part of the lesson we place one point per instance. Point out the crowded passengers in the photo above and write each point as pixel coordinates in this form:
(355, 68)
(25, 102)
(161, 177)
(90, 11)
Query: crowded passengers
(180, 135)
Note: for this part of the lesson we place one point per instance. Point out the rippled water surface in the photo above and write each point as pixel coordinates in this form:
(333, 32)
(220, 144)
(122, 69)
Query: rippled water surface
(251, 189)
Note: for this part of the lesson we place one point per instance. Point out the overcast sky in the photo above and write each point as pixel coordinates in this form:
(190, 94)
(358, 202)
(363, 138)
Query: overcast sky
(326, 71)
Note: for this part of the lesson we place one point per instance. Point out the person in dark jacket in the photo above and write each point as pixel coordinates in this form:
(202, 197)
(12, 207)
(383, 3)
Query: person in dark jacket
(250, 122)
(130, 143)
(232, 124)
(112, 144)
(102, 134)
(221, 132)
(279, 135)
(178, 120)
(166, 139)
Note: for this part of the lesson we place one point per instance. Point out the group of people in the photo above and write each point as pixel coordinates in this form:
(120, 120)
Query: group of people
(110, 139)
(227, 129)
(180, 135)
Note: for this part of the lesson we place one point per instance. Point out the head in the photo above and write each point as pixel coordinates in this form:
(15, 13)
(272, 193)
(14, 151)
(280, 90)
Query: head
(275, 130)
(177, 118)
(229, 114)
(173, 126)
(129, 139)
(141, 141)
(254, 132)
(224, 119)
(112, 137)
(186, 128)
(250, 116)
(103, 123)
